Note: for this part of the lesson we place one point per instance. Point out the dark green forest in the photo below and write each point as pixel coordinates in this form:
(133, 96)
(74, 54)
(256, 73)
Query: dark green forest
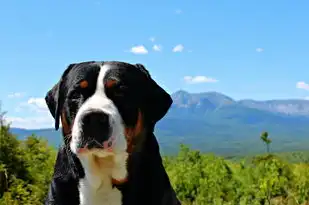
(26, 167)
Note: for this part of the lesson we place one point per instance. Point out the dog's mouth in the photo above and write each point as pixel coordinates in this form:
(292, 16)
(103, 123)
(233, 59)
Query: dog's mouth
(104, 160)
(97, 149)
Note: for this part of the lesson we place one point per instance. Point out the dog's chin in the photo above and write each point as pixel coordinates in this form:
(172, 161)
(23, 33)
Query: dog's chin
(104, 165)
(103, 154)
(99, 153)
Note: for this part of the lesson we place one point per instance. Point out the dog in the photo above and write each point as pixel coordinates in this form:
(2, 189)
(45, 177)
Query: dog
(110, 155)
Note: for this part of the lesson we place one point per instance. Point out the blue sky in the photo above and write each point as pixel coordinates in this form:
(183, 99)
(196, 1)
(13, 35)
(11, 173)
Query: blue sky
(244, 49)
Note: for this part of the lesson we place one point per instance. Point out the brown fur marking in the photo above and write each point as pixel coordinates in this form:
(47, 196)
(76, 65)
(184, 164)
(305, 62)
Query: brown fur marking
(83, 84)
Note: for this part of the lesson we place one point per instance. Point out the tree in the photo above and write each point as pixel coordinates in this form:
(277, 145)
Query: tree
(3, 173)
(26, 167)
(2, 114)
(266, 140)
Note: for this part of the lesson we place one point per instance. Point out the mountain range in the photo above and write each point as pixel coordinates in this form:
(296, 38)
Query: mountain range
(214, 122)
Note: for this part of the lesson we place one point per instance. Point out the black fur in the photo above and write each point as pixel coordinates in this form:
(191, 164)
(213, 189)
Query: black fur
(148, 183)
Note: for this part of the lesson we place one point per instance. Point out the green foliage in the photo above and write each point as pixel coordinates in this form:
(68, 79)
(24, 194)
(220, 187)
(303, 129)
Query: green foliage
(264, 137)
(25, 168)
(201, 179)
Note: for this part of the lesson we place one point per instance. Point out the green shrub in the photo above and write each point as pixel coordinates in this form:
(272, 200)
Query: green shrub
(25, 168)
(201, 179)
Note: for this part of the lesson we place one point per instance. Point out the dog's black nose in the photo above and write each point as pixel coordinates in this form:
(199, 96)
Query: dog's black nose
(96, 128)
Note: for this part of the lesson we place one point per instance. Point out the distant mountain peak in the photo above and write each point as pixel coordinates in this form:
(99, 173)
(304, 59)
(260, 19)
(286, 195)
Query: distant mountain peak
(202, 94)
(200, 102)
(180, 93)
(213, 100)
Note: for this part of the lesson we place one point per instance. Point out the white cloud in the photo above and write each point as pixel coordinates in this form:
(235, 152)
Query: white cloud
(178, 48)
(39, 103)
(157, 47)
(259, 50)
(36, 105)
(178, 11)
(302, 85)
(31, 122)
(139, 50)
(16, 95)
(307, 98)
(152, 39)
(39, 117)
(199, 79)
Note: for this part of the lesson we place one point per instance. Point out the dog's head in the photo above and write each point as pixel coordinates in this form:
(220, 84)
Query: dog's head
(106, 106)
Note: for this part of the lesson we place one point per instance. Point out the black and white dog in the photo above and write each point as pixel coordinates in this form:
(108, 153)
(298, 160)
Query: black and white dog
(110, 156)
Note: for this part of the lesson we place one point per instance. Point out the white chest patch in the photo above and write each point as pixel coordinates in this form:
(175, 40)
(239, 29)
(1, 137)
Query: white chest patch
(107, 195)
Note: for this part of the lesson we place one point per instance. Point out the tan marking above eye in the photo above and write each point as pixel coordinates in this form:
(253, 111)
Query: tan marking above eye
(83, 84)
(110, 83)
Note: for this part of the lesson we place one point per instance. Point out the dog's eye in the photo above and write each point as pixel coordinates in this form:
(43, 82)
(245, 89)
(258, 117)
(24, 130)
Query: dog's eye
(116, 89)
(73, 99)
(74, 95)
(120, 90)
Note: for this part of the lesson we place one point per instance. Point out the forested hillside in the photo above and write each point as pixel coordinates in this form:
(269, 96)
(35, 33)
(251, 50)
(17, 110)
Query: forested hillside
(199, 179)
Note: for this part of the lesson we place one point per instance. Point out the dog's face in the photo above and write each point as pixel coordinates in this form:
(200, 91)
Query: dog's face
(105, 106)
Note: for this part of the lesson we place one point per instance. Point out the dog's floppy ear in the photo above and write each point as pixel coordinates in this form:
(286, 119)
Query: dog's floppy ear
(56, 96)
(156, 100)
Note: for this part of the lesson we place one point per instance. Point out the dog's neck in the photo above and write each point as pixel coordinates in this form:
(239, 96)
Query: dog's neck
(104, 195)
(148, 182)
(96, 187)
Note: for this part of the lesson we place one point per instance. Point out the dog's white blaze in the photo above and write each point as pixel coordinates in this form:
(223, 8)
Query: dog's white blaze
(96, 187)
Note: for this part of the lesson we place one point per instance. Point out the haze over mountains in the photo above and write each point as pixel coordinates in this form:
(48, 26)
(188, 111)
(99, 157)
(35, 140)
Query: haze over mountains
(208, 100)
(214, 122)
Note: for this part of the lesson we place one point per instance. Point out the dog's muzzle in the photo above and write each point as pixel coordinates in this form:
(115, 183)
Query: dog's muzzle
(96, 131)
